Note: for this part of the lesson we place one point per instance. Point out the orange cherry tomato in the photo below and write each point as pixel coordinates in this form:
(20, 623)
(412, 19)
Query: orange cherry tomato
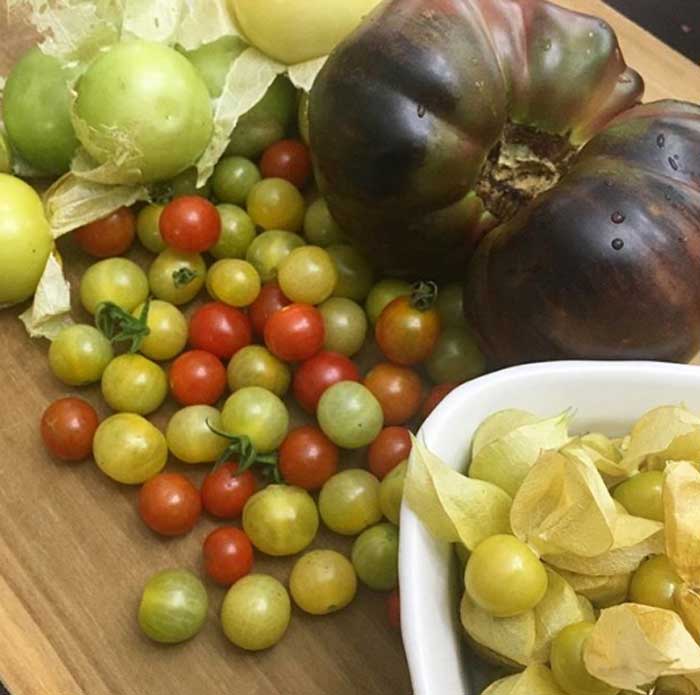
(111, 236)
(399, 391)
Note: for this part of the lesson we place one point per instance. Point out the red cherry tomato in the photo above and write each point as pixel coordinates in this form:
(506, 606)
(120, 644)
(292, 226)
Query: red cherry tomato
(392, 446)
(287, 159)
(317, 374)
(67, 427)
(270, 300)
(435, 397)
(228, 555)
(399, 390)
(197, 378)
(220, 329)
(111, 236)
(295, 333)
(224, 493)
(307, 458)
(190, 224)
(170, 504)
(393, 609)
(405, 333)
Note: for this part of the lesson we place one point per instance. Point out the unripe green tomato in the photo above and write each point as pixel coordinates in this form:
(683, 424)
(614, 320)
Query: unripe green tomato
(233, 282)
(655, 583)
(349, 502)
(168, 330)
(148, 229)
(456, 357)
(79, 355)
(185, 184)
(190, 438)
(349, 415)
(568, 667)
(237, 232)
(134, 384)
(269, 249)
(450, 306)
(213, 61)
(256, 612)
(5, 155)
(375, 557)
(257, 414)
(173, 607)
(177, 277)
(355, 274)
(116, 280)
(345, 324)
(303, 118)
(642, 495)
(233, 179)
(504, 577)
(281, 520)
(319, 227)
(382, 294)
(323, 582)
(255, 365)
(391, 492)
(307, 275)
(276, 204)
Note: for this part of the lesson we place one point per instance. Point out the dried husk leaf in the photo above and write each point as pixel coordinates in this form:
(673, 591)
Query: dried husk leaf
(50, 311)
(563, 506)
(498, 425)
(303, 75)
(682, 513)
(505, 461)
(602, 592)
(687, 601)
(662, 434)
(72, 202)
(204, 21)
(152, 20)
(526, 639)
(534, 680)
(634, 539)
(632, 645)
(452, 506)
(601, 453)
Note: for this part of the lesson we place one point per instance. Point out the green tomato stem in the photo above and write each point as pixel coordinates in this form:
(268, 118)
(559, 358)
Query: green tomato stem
(120, 326)
(184, 276)
(424, 295)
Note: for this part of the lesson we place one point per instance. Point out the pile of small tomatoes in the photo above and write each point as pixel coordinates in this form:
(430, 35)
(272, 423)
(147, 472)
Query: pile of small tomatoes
(298, 354)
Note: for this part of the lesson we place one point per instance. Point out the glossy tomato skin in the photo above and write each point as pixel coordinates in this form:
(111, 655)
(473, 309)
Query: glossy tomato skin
(220, 329)
(228, 555)
(287, 159)
(318, 373)
(295, 333)
(68, 426)
(405, 334)
(270, 300)
(435, 397)
(111, 236)
(392, 446)
(190, 224)
(307, 458)
(170, 504)
(399, 390)
(197, 378)
(225, 491)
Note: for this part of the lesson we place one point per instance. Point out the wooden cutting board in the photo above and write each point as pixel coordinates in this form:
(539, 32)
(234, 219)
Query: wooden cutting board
(74, 554)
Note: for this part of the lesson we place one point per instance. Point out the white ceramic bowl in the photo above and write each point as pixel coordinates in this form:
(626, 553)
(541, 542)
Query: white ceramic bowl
(607, 397)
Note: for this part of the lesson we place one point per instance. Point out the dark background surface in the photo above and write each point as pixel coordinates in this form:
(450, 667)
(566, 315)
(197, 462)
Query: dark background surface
(677, 22)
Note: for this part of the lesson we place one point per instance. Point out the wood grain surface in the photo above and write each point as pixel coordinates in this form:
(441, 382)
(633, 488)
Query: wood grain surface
(74, 554)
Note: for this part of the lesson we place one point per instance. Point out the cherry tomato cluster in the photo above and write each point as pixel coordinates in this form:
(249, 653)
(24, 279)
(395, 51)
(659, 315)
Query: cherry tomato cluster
(290, 306)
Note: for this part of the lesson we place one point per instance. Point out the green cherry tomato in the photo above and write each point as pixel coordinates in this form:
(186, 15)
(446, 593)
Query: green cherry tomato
(375, 557)
(349, 502)
(655, 583)
(129, 449)
(276, 204)
(6, 159)
(567, 663)
(185, 184)
(391, 492)
(307, 275)
(642, 495)
(382, 294)
(134, 384)
(255, 365)
(116, 280)
(450, 306)
(280, 520)
(148, 228)
(456, 357)
(256, 612)
(355, 274)
(303, 118)
(237, 232)
(173, 606)
(319, 227)
(36, 111)
(257, 414)
(505, 577)
(177, 277)
(269, 249)
(233, 282)
(168, 330)
(233, 179)
(345, 324)
(189, 437)
(323, 582)
(349, 415)
(213, 61)
(79, 355)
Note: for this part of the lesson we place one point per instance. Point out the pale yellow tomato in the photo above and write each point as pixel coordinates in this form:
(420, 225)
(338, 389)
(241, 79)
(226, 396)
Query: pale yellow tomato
(168, 330)
(189, 437)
